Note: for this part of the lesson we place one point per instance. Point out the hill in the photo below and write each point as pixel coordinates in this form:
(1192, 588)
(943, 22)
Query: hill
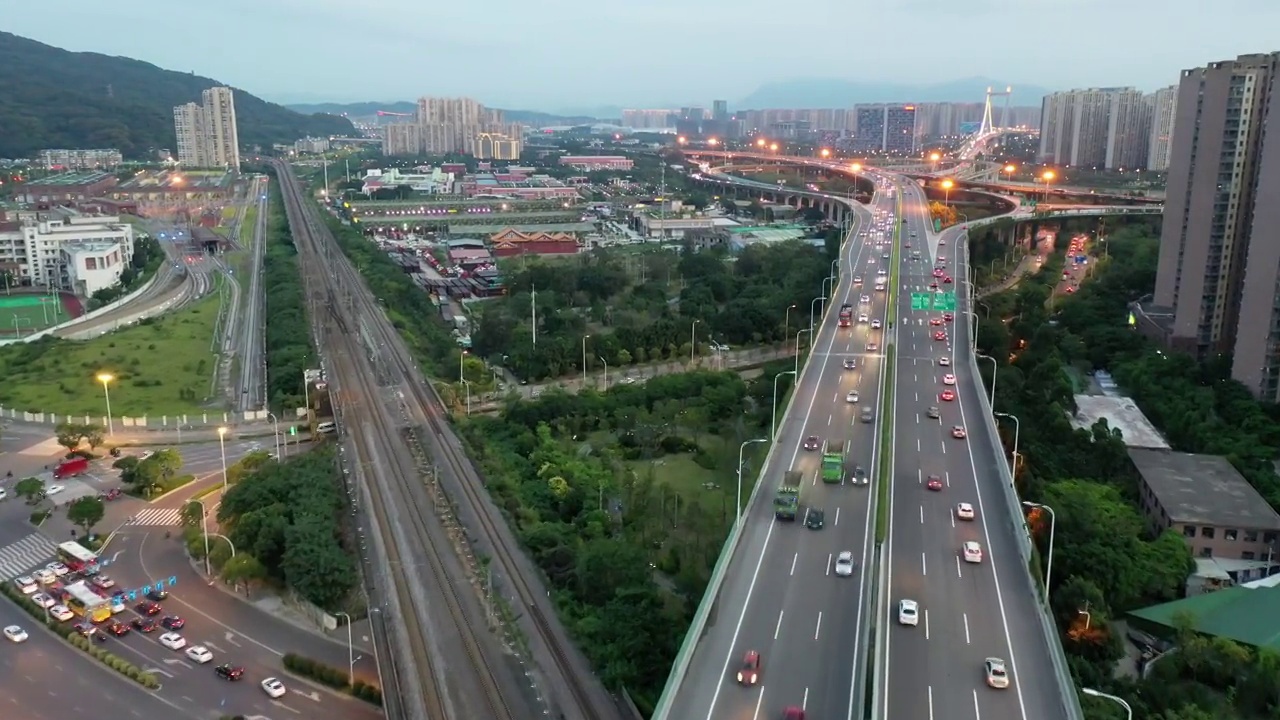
(370, 109)
(53, 98)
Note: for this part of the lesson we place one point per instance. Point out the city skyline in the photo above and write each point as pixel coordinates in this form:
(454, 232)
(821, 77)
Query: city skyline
(284, 67)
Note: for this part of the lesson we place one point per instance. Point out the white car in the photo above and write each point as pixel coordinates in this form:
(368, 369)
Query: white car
(45, 576)
(882, 271)
(43, 600)
(964, 511)
(852, 396)
(25, 585)
(875, 324)
(199, 653)
(944, 361)
(948, 379)
(173, 641)
(972, 552)
(61, 613)
(57, 568)
(908, 612)
(15, 633)
(54, 489)
(997, 675)
(273, 688)
(844, 563)
(117, 604)
(865, 299)
(872, 346)
(863, 318)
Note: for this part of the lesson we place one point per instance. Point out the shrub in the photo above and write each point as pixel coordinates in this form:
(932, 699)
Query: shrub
(333, 677)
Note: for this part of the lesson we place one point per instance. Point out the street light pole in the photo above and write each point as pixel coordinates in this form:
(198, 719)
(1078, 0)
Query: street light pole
(584, 361)
(1053, 522)
(786, 322)
(222, 447)
(693, 341)
(462, 356)
(798, 334)
(993, 375)
(1094, 693)
(275, 422)
(466, 384)
(820, 299)
(204, 530)
(105, 379)
(742, 449)
(351, 652)
(773, 424)
(606, 371)
(1017, 429)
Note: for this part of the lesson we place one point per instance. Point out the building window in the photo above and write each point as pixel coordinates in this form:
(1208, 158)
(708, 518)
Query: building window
(1269, 538)
(1189, 531)
(1230, 534)
(1251, 536)
(1206, 552)
(1206, 532)
(1246, 555)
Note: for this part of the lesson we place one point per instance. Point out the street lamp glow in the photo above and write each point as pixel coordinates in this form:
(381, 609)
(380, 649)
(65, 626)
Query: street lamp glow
(948, 184)
(935, 157)
(682, 140)
(826, 153)
(760, 142)
(856, 167)
(1011, 168)
(1048, 175)
(774, 147)
(712, 142)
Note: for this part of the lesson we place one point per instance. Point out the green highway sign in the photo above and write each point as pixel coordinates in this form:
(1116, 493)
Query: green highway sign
(945, 302)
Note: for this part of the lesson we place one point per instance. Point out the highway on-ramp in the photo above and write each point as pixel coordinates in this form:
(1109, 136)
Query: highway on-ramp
(967, 611)
(781, 596)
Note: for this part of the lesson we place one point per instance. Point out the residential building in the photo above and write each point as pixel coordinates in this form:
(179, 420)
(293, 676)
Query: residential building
(67, 251)
(1057, 117)
(1206, 501)
(1128, 130)
(648, 119)
(1164, 106)
(497, 146)
(900, 129)
(720, 110)
(207, 133)
(104, 159)
(597, 162)
(441, 126)
(1219, 266)
(310, 145)
(65, 188)
(868, 134)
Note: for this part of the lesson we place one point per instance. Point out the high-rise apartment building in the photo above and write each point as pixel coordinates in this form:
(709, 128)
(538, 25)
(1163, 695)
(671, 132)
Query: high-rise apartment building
(720, 110)
(1095, 128)
(451, 125)
(900, 129)
(648, 119)
(207, 134)
(1164, 104)
(1219, 269)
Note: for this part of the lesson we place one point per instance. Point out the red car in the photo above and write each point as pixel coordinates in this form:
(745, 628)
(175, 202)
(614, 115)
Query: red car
(948, 317)
(937, 272)
(173, 622)
(935, 321)
(948, 395)
(144, 625)
(934, 483)
(940, 336)
(118, 629)
(147, 608)
(793, 713)
(749, 673)
(947, 280)
(933, 286)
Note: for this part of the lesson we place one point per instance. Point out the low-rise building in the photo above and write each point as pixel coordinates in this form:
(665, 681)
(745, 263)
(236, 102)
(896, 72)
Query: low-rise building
(65, 188)
(1206, 501)
(100, 159)
(67, 251)
(432, 181)
(509, 242)
(597, 162)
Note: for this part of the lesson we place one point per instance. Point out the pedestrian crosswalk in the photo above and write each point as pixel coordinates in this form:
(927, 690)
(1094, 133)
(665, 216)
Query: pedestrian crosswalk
(23, 555)
(157, 517)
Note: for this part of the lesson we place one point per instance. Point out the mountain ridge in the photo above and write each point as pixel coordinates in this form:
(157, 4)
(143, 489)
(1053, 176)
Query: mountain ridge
(55, 98)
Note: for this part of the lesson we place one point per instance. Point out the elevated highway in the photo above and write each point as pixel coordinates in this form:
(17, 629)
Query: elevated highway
(832, 645)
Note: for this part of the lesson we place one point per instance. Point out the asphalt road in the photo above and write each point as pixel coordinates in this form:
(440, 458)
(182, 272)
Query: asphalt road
(781, 597)
(968, 612)
(249, 346)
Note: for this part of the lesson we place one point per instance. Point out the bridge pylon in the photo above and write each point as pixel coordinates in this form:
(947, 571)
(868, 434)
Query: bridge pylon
(988, 125)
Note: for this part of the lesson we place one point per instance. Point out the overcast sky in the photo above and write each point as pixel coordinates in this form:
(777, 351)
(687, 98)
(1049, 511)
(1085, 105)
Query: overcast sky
(555, 54)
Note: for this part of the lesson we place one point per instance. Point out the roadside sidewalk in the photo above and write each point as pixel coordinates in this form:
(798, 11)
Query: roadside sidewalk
(1026, 267)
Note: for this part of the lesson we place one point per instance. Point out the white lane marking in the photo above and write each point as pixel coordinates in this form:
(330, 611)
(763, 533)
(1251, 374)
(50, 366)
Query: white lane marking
(958, 567)
(944, 447)
(946, 474)
(917, 444)
(837, 520)
(828, 564)
(794, 558)
(926, 624)
(777, 629)
(817, 630)
(759, 700)
(921, 514)
(919, 475)
(804, 704)
(977, 714)
(967, 641)
(953, 518)
(923, 565)
(930, 702)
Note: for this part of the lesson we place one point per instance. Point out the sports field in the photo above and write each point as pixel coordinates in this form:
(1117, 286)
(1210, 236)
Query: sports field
(25, 313)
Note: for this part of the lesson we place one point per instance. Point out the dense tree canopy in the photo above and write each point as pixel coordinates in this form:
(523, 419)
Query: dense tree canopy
(52, 98)
(288, 333)
(643, 308)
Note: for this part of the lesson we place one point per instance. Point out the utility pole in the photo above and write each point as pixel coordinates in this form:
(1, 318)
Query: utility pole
(662, 198)
(533, 314)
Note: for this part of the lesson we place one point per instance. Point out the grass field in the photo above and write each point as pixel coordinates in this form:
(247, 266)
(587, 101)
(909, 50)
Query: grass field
(161, 367)
(24, 314)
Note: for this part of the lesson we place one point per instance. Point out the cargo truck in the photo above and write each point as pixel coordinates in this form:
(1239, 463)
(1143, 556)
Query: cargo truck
(786, 503)
(71, 468)
(833, 461)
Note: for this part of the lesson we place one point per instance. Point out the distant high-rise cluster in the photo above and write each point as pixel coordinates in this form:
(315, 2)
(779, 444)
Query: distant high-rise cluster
(207, 134)
(1219, 270)
(1113, 128)
(441, 126)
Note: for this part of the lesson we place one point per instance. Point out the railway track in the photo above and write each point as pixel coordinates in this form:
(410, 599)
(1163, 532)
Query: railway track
(379, 421)
(582, 697)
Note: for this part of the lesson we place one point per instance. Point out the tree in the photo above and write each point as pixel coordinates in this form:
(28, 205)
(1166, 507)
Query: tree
(813, 215)
(86, 512)
(69, 435)
(31, 489)
(192, 514)
(94, 435)
(242, 569)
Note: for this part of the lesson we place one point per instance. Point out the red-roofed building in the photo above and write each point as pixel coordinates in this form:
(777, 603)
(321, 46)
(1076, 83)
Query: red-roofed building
(510, 241)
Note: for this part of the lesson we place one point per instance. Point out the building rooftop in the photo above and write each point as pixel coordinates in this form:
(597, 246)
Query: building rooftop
(178, 180)
(1121, 413)
(1203, 490)
(72, 179)
(1247, 615)
(540, 227)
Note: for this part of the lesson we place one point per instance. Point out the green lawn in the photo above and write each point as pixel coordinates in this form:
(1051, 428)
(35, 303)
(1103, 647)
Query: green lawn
(162, 367)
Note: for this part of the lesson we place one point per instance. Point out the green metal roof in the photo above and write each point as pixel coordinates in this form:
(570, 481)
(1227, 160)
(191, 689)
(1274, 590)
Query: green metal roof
(1247, 615)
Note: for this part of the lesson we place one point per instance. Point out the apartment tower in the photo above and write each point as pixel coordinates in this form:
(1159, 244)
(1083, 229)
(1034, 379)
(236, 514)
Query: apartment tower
(1164, 102)
(1096, 128)
(1219, 267)
(206, 133)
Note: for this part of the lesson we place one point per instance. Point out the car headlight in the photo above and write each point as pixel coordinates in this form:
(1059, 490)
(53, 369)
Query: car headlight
(739, 677)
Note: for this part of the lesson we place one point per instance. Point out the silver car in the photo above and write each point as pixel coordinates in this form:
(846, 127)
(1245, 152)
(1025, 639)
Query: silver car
(844, 563)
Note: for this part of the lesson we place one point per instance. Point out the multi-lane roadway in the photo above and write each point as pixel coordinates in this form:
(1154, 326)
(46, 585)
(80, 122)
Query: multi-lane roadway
(968, 611)
(782, 597)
